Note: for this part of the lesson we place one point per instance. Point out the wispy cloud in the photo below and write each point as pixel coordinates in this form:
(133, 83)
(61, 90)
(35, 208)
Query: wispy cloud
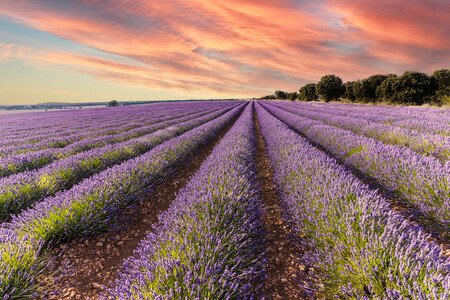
(237, 47)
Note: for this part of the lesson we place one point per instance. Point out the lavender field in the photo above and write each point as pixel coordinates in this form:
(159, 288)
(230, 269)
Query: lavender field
(226, 200)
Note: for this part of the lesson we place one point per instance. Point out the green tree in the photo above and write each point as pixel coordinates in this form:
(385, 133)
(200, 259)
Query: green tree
(330, 87)
(443, 79)
(268, 97)
(280, 95)
(349, 93)
(113, 103)
(369, 87)
(386, 90)
(292, 96)
(358, 90)
(415, 87)
(308, 92)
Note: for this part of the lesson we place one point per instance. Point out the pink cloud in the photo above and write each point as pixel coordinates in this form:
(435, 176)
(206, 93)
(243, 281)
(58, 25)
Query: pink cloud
(240, 46)
(413, 33)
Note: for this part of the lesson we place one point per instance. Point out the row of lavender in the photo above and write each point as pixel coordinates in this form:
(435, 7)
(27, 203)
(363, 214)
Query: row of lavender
(418, 118)
(91, 206)
(207, 245)
(18, 126)
(101, 125)
(362, 249)
(14, 164)
(421, 180)
(22, 190)
(34, 127)
(421, 142)
(31, 141)
(49, 139)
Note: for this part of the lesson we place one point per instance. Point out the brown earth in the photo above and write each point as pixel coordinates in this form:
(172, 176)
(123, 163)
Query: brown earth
(81, 269)
(287, 276)
(438, 233)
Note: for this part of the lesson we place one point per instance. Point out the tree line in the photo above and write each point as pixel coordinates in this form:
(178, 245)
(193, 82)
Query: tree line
(410, 88)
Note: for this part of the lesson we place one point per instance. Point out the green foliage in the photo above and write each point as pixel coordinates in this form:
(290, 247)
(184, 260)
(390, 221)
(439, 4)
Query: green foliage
(292, 96)
(411, 88)
(414, 87)
(17, 259)
(280, 95)
(113, 103)
(369, 87)
(349, 93)
(268, 97)
(385, 91)
(308, 92)
(357, 90)
(330, 87)
(443, 80)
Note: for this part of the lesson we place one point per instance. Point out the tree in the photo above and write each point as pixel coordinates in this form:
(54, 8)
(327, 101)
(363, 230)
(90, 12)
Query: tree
(443, 79)
(292, 96)
(349, 93)
(386, 90)
(330, 87)
(268, 97)
(308, 92)
(415, 87)
(369, 87)
(113, 103)
(358, 90)
(280, 95)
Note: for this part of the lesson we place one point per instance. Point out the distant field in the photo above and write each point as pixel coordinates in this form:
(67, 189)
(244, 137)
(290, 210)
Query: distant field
(226, 200)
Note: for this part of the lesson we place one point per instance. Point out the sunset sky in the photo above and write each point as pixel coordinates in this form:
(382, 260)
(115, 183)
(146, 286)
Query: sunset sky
(98, 50)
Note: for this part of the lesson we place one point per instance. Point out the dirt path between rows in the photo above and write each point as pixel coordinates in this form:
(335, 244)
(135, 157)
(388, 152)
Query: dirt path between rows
(438, 233)
(81, 268)
(286, 276)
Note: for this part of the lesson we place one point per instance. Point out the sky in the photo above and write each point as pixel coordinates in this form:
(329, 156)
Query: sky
(98, 50)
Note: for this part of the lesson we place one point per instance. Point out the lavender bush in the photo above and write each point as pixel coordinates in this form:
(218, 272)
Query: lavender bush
(363, 249)
(77, 133)
(22, 190)
(422, 143)
(35, 159)
(207, 245)
(423, 181)
(92, 205)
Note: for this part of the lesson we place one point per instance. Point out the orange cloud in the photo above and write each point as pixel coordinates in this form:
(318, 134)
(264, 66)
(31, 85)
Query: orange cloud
(414, 33)
(239, 47)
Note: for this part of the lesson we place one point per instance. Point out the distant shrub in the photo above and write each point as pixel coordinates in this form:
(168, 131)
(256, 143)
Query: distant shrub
(280, 95)
(330, 87)
(113, 103)
(410, 88)
(308, 92)
(292, 96)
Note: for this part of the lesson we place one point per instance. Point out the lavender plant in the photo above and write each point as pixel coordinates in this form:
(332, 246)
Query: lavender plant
(77, 133)
(207, 245)
(35, 159)
(422, 143)
(22, 190)
(423, 181)
(363, 249)
(92, 205)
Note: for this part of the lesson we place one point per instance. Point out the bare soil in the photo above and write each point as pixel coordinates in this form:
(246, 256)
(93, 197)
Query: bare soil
(80, 269)
(287, 276)
(438, 233)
